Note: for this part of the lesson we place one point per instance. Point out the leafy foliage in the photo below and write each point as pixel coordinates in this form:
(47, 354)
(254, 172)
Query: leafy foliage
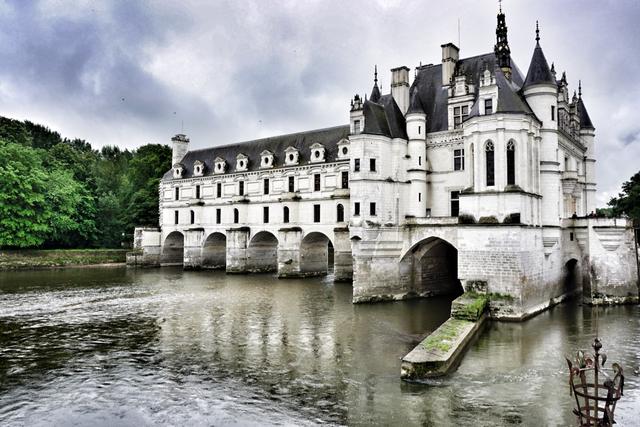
(57, 192)
(628, 201)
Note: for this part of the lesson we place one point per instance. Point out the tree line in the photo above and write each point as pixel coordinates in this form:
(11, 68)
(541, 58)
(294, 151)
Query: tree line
(61, 193)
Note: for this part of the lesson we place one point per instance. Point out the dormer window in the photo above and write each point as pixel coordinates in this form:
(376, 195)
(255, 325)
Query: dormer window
(460, 113)
(343, 149)
(198, 168)
(291, 156)
(220, 165)
(488, 106)
(266, 159)
(178, 170)
(242, 162)
(317, 153)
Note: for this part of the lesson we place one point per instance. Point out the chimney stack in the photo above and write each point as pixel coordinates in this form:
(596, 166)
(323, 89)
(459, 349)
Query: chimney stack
(400, 87)
(179, 147)
(450, 56)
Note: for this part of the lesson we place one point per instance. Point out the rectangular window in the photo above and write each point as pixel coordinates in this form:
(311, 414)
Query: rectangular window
(345, 179)
(177, 194)
(266, 186)
(419, 197)
(316, 182)
(372, 165)
(316, 213)
(236, 216)
(197, 191)
(356, 165)
(285, 214)
(218, 216)
(419, 160)
(356, 126)
(219, 189)
(193, 217)
(241, 188)
(292, 184)
(458, 160)
(455, 203)
(459, 115)
(553, 112)
(372, 209)
(175, 217)
(265, 214)
(356, 209)
(488, 106)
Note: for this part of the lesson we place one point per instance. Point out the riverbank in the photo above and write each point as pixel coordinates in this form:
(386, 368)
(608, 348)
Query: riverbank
(56, 258)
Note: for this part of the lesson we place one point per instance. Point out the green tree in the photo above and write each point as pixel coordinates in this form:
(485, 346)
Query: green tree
(24, 209)
(628, 201)
(14, 131)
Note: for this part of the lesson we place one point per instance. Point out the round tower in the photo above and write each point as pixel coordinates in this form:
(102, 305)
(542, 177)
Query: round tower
(417, 150)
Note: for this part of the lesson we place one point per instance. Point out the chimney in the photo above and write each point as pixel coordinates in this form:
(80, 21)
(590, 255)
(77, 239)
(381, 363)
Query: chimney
(179, 147)
(400, 87)
(450, 55)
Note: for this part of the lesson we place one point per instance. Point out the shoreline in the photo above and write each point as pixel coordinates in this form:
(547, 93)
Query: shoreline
(45, 259)
(60, 267)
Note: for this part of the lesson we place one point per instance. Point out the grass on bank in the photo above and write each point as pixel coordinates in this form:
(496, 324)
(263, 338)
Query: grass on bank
(35, 258)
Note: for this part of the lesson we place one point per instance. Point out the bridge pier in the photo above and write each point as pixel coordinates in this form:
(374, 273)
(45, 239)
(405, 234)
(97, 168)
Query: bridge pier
(237, 245)
(193, 239)
(342, 257)
(289, 240)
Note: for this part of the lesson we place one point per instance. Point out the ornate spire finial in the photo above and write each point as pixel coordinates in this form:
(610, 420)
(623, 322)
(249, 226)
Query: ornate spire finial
(375, 74)
(501, 49)
(580, 89)
(537, 32)
(500, 5)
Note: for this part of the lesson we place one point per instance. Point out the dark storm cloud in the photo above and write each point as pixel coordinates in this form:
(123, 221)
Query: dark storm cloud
(130, 72)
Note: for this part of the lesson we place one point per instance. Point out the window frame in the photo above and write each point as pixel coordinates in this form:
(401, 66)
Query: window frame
(316, 213)
(454, 200)
(372, 209)
(459, 158)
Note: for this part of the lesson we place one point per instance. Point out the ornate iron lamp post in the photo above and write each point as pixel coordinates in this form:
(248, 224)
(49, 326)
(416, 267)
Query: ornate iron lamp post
(595, 399)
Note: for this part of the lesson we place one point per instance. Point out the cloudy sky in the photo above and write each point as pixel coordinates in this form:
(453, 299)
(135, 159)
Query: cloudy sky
(133, 72)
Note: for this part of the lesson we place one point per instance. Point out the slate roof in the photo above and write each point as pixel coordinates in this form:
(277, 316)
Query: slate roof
(585, 120)
(328, 137)
(384, 118)
(539, 72)
(434, 99)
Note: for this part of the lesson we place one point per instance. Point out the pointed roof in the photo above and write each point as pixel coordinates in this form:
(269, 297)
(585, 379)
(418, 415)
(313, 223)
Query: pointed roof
(415, 104)
(539, 72)
(375, 92)
(585, 120)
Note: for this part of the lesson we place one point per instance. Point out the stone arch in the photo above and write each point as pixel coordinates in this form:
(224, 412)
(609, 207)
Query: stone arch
(571, 277)
(262, 253)
(316, 254)
(430, 266)
(173, 249)
(214, 251)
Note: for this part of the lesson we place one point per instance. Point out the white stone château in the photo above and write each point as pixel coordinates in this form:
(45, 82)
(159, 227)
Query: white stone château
(471, 173)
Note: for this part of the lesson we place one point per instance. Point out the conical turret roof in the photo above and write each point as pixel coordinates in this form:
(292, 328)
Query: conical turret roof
(539, 72)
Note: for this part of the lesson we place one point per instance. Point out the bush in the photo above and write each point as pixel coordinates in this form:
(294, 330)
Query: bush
(488, 220)
(466, 219)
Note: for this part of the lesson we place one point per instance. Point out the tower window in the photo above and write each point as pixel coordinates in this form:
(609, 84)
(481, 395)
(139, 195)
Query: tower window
(345, 179)
(285, 214)
(339, 213)
(236, 216)
(459, 115)
(419, 130)
(266, 185)
(316, 182)
(511, 163)
(356, 165)
(197, 191)
(177, 194)
(316, 213)
(292, 183)
(218, 216)
(419, 197)
(372, 209)
(488, 106)
(193, 217)
(419, 160)
(553, 113)
(219, 189)
(241, 188)
(265, 214)
(455, 203)
(175, 217)
(489, 163)
(356, 126)
(372, 165)
(458, 159)
(356, 209)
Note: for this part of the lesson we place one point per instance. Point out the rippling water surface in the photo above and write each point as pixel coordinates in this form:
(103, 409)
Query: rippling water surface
(105, 347)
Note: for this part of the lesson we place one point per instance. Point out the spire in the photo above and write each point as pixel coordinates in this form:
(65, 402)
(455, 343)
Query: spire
(416, 104)
(375, 92)
(501, 49)
(580, 89)
(539, 72)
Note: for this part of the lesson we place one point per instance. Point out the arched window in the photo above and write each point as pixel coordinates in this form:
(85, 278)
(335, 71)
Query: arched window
(511, 163)
(489, 157)
(236, 216)
(193, 217)
(340, 213)
(285, 214)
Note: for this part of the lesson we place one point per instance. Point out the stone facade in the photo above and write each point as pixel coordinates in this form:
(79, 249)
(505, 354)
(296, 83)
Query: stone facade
(471, 173)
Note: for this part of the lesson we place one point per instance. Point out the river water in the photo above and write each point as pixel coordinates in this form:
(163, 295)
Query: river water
(106, 347)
